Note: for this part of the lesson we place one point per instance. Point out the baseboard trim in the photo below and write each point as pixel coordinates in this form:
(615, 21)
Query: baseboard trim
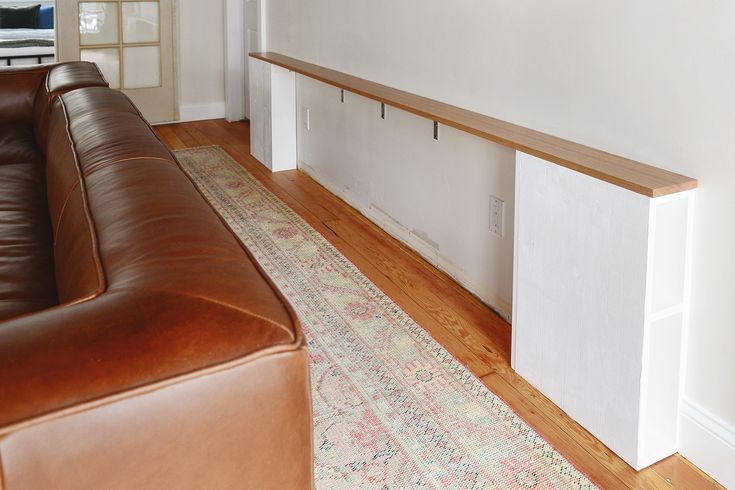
(410, 238)
(201, 112)
(707, 441)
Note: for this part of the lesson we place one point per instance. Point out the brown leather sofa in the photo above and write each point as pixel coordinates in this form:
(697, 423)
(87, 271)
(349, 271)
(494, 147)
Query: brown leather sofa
(140, 345)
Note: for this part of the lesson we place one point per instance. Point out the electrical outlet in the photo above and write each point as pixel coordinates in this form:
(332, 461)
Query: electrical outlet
(307, 119)
(497, 216)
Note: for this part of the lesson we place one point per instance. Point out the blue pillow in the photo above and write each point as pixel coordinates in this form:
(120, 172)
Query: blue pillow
(46, 17)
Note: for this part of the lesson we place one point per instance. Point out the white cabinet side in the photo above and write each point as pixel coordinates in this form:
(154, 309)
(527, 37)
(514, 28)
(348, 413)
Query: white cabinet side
(283, 119)
(260, 111)
(581, 258)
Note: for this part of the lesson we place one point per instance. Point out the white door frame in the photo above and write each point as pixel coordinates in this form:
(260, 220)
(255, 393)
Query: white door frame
(236, 56)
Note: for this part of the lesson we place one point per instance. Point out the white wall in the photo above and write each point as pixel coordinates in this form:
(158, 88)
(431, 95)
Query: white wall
(432, 194)
(651, 81)
(201, 59)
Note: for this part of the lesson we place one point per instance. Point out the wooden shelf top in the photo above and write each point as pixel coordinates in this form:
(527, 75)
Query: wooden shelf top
(629, 174)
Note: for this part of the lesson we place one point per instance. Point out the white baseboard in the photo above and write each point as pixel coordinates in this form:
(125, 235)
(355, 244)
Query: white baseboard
(201, 112)
(410, 238)
(708, 442)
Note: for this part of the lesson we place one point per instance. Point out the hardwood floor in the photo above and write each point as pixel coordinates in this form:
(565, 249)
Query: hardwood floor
(471, 331)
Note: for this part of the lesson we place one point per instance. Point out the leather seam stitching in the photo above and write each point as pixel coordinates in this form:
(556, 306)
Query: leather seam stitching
(101, 280)
(125, 394)
(92, 172)
(123, 160)
(63, 209)
(290, 333)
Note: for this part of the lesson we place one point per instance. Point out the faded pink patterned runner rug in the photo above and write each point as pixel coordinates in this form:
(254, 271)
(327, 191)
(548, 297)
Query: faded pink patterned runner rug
(392, 408)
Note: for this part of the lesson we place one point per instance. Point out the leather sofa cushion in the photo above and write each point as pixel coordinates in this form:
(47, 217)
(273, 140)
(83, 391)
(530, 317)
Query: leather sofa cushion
(26, 257)
(18, 144)
(18, 89)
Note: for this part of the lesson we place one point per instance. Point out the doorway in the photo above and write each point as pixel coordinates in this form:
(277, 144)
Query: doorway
(133, 44)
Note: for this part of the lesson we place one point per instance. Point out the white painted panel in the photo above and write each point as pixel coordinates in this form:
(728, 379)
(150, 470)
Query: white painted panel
(432, 195)
(580, 289)
(669, 252)
(260, 110)
(273, 115)
(283, 119)
(661, 390)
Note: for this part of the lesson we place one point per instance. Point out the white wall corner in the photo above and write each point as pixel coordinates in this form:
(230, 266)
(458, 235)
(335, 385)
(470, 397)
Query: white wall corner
(201, 112)
(707, 441)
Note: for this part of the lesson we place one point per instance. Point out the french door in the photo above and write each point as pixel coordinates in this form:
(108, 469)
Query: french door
(131, 42)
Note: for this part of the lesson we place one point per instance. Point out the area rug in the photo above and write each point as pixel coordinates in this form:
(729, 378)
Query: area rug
(392, 408)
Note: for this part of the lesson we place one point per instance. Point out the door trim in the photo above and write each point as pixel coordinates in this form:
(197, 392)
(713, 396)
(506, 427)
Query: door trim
(236, 56)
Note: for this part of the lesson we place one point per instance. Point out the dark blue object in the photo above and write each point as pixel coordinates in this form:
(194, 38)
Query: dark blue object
(46, 17)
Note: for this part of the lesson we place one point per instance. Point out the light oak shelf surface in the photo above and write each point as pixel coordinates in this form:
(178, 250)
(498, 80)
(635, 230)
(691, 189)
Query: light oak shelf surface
(632, 175)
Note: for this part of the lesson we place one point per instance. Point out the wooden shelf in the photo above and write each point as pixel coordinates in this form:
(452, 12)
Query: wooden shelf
(629, 174)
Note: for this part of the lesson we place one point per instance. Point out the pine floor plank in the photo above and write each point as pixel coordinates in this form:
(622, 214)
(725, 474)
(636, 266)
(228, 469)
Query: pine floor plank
(683, 474)
(471, 331)
(170, 137)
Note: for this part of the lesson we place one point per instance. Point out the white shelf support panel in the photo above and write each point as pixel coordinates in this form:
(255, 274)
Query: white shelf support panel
(601, 304)
(272, 115)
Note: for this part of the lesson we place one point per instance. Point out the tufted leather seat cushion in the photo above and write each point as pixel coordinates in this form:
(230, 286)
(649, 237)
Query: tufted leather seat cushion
(18, 144)
(26, 257)
(27, 277)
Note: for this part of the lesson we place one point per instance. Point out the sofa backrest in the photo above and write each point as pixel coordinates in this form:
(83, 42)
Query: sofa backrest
(125, 217)
(61, 78)
(18, 89)
(26, 92)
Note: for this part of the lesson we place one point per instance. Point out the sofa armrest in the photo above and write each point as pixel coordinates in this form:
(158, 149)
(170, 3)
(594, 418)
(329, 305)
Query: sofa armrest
(141, 391)
(65, 357)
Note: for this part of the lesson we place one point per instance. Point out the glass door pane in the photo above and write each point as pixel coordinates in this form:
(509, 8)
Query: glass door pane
(142, 66)
(108, 59)
(140, 22)
(98, 23)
